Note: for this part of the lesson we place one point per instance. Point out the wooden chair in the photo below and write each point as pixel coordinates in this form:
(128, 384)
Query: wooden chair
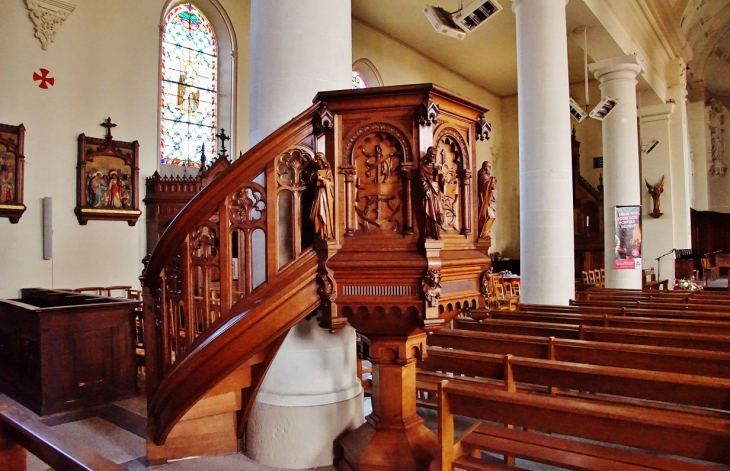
(603, 274)
(714, 272)
(503, 299)
(650, 281)
(591, 277)
(516, 288)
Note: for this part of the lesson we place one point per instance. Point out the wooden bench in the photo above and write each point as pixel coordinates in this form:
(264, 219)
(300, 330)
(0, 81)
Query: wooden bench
(680, 311)
(698, 326)
(19, 433)
(656, 338)
(512, 372)
(673, 360)
(676, 433)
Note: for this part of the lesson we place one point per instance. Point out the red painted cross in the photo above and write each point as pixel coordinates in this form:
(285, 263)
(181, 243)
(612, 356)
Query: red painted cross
(43, 78)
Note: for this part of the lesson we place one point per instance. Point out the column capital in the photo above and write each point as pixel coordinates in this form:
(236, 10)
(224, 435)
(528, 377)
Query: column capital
(516, 2)
(623, 67)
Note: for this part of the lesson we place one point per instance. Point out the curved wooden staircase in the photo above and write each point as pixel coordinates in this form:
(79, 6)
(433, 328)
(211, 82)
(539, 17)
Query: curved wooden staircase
(215, 333)
(239, 266)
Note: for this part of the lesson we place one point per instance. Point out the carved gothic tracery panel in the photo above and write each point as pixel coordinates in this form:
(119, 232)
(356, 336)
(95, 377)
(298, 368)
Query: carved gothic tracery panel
(248, 207)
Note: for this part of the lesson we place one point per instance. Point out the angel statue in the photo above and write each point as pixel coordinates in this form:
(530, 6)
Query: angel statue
(655, 191)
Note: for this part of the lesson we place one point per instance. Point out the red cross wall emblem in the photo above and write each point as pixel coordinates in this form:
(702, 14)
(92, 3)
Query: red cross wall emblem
(43, 78)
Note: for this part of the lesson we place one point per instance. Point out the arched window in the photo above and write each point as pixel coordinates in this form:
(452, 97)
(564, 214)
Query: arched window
(357, 80)
(189, 83)
(365, 75)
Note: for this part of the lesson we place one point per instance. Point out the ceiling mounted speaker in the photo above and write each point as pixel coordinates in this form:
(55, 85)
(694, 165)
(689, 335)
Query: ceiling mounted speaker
(476, 14)
(576, 111)
(441, 21)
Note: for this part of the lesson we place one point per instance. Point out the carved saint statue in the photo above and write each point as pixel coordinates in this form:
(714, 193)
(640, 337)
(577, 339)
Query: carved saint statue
(655, 191)
(432, 185)
(432, 287)
(323, 208)
(487, 199)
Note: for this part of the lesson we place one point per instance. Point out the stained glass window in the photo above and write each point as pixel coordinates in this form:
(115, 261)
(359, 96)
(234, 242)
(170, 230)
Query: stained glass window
(189, 78)
(357, 80)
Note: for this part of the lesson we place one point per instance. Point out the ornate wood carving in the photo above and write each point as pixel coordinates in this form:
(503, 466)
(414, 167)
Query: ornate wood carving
(432, 187)
(428, 113)
(484, 281)
(248, 208)
(322, 119)
(107, 179)
(12, 170)
(378, 156)
(323, 207)
(432, 287)
(453, 157)
(47, 17)
(484, 129)
(487, 199)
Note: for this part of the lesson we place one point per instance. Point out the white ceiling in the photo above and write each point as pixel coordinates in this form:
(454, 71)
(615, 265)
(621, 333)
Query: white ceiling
(487, 57)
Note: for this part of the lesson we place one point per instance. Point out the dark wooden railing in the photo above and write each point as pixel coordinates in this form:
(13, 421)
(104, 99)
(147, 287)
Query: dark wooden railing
(18, 433)
(233, 257)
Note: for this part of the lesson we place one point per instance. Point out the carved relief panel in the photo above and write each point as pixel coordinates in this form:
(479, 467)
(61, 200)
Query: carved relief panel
(453, 158)
(379, 156)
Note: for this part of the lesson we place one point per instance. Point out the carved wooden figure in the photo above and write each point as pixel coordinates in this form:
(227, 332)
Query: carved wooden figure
(107, 179)
(487, 199)
(12, 165)
(432, 185)
(323, 209)
(655, 192)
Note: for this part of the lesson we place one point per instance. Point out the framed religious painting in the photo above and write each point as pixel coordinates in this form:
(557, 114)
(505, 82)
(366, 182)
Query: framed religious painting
(107, 179)
(12, 165)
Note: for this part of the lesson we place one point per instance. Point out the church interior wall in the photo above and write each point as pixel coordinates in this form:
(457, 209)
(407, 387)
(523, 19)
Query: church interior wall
(105, 64)
(696, 117)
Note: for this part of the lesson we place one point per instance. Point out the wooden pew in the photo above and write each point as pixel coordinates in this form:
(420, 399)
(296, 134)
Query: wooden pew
(18, 433)
(676, 433)
(672, 360)
(510, 372)
(667, 324)
(656, 338)
(721, 307)
(677, 312)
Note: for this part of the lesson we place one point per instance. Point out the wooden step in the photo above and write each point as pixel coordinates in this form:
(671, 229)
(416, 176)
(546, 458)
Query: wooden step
(210, 426)
(467, 463)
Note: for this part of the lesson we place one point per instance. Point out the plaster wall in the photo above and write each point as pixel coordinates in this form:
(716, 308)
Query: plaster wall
(105, 64)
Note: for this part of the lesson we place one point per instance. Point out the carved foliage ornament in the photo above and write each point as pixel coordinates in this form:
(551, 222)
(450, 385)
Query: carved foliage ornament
(484, 282)
(47, 17)
(326, 288)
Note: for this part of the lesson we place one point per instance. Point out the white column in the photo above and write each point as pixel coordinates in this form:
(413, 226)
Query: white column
(311, 394)
(297, 49)
(681, 168)
(546, 198)
(621, 184)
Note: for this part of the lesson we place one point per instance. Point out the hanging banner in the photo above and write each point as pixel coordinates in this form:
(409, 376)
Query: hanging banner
(628, 237)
